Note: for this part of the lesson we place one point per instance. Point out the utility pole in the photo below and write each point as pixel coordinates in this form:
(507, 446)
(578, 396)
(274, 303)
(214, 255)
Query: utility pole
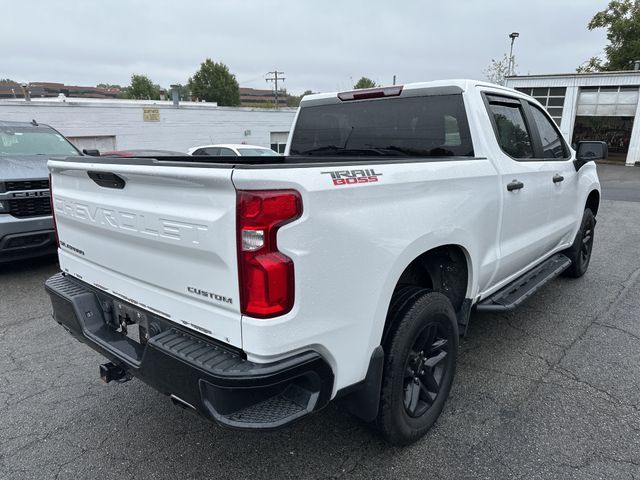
(275, 79)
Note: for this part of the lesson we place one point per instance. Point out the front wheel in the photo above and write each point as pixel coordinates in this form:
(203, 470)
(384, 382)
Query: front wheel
(420, 361)
(580, 251)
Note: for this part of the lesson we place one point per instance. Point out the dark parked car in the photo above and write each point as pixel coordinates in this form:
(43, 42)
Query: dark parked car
(26, 225)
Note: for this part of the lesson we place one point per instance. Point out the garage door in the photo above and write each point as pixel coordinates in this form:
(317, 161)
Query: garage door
(607, 101)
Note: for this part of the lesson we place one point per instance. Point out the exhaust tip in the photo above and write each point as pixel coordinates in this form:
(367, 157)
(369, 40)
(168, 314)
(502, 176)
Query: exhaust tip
(181, 403)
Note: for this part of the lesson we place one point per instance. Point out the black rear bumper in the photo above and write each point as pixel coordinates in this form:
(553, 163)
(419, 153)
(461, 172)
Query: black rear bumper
(198, 373)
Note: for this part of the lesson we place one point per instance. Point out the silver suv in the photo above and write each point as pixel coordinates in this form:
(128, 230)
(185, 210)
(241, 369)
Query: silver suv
(26, 225)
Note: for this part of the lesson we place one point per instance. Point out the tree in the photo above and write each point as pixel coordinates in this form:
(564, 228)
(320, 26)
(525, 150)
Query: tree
(365, 82)
(142, 88)
(7, 80)
(214, 83)
(498, 70)
(108, 86)
(621, 19)
(294, 100)
(594, 64)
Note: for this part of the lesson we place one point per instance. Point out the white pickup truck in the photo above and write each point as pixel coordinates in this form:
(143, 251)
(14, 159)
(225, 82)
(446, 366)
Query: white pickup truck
(255, 290)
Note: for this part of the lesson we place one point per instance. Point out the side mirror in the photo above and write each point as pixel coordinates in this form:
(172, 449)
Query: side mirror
(589, 151)
(91, 152)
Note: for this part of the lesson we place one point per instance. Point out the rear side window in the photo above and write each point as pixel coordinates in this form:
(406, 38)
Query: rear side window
(511, 129)
(429, 126)
(552, 144)
(226, 152)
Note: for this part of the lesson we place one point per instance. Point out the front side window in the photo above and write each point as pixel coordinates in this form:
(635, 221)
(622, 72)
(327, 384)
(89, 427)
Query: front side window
(552, 144)
(512, 133)
(429, 126)
(25, 141)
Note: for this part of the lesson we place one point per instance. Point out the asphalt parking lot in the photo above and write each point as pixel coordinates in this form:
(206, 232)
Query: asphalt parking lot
(549, 391)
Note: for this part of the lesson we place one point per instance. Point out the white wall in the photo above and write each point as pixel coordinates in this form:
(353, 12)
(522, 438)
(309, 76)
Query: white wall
(178, 129)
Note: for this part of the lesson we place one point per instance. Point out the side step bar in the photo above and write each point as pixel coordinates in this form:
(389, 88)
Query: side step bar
(519, 290)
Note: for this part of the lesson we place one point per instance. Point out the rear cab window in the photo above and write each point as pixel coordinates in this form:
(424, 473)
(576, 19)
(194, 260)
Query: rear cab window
(418, 126)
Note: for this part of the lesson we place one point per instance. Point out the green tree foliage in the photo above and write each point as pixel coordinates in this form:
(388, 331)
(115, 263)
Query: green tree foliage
(294, 100)
(142, 88)
(214, 83)
(594, 64)
(7, 80)
(365, 82)
(621, 19)
(108, 85)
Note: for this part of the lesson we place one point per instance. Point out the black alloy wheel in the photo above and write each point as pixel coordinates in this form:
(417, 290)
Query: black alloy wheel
(420, 350)
(425, 369)
(580, 251)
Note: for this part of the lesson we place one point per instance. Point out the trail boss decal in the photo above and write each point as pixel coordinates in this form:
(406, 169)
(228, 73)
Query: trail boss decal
(351, 177)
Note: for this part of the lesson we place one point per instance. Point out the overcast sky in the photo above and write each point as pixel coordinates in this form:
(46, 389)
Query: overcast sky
(320, 45)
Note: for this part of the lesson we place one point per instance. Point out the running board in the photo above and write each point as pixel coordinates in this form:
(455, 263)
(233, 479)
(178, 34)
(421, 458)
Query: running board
(523, 287)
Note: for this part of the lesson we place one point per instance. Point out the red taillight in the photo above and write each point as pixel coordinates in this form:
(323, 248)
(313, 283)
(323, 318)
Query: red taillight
(394, 91)
(53, 212)
(266, 275)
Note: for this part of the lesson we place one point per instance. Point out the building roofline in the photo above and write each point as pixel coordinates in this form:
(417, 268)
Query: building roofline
(126, 103)
(616, 73)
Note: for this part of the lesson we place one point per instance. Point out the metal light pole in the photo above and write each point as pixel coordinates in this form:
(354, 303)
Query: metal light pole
(513, 37)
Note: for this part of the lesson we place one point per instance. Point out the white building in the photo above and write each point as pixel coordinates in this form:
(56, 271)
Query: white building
(591, 106)
(135, 124)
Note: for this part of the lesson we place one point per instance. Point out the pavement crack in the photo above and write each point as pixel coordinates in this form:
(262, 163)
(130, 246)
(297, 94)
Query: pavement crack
(619, 329)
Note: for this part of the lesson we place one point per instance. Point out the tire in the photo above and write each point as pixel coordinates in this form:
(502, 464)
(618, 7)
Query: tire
(420, 361)
(580, 251)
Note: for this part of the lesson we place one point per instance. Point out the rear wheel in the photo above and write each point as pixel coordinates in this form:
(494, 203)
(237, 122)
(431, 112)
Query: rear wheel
(420, 360)
(580, 251)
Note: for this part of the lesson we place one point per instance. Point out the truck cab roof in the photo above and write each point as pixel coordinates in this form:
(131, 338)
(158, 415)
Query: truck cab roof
(437, 87)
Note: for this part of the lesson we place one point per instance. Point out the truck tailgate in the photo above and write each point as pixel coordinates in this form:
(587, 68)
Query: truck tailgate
(160, 236)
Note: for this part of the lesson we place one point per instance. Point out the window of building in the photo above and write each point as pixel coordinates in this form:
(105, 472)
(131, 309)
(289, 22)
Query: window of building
(279, 141)
(551, 98)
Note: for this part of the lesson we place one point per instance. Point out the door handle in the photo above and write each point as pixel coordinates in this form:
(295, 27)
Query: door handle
(557, 178)
(514, 185)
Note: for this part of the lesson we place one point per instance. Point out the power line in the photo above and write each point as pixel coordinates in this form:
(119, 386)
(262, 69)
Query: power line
(275, 79)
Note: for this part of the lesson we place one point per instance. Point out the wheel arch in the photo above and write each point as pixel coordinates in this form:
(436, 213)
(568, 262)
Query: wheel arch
(445, 268)
(593, 202)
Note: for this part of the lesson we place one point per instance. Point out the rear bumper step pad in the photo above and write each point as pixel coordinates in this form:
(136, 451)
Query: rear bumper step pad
(218, 382)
